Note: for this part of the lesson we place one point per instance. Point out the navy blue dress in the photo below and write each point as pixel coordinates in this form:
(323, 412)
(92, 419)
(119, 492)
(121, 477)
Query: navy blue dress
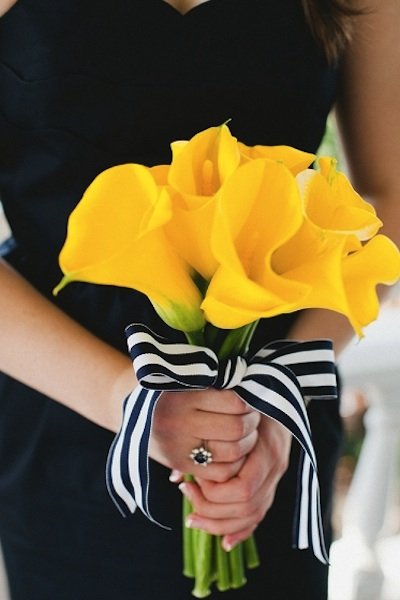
(84, 85)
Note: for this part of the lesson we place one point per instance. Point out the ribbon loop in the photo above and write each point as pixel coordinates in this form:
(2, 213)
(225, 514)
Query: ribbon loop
(276, 381)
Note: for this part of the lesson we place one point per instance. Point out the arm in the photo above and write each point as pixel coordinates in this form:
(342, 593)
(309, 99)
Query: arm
(5, 5)
(45, 349)
(48, 351)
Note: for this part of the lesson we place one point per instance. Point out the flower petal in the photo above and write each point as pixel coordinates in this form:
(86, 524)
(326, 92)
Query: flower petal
(115, 237)
(233, 300)
(378, 261)
(295, 160)
(188, 233)
(332, 203)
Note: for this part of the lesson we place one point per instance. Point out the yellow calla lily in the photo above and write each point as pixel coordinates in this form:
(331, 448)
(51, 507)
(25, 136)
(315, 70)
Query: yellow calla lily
(200, 166)
(116, 237)
(244, 237)
(295, 160)
(378, 261)
(332, 203)
(341, 272)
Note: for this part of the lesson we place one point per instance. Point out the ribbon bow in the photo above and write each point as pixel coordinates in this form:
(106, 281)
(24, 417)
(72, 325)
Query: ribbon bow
(277, 381)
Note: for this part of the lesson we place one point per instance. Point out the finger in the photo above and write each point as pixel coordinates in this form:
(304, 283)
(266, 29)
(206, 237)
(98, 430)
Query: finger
(202, 508)
(223, 427)
(256, 505)
(216, 472)
(228, 526)
(260, 469)
(237, 489)
(232, 451)
(229, 541)
(220, 401)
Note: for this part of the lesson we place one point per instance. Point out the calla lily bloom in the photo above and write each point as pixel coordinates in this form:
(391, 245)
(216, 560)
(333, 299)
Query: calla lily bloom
(295, 160)
(244, 237)
(341, 272)
(116, 237)
(200, 166)
(198, 170)
(331, 202)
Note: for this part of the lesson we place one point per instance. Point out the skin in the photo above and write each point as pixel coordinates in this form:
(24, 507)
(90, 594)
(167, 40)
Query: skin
(251, 453)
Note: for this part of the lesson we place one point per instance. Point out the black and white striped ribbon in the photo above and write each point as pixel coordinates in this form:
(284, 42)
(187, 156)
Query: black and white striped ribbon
(277, 381)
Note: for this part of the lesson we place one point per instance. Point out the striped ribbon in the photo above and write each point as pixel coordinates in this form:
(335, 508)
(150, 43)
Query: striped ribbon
(277, 381)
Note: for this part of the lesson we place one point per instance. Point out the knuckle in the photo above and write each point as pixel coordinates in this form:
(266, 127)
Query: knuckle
(246, 492)
(217, 529)
(237, 403)
(234, 451)
(259, 515)
(221, 475)
(239, 427)
(281, 463)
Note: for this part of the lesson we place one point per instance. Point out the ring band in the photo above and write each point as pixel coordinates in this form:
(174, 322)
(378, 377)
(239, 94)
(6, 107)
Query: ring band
(201, 456)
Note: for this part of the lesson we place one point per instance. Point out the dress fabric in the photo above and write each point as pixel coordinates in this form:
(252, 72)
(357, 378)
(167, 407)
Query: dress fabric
(85, 85)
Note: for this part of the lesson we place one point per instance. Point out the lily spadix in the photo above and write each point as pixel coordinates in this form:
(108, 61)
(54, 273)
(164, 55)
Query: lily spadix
(259, 209)
(200, 168)
(116, 237)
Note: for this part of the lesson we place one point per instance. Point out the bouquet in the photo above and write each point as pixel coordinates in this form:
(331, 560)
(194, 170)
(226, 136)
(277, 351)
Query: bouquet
(223, 236)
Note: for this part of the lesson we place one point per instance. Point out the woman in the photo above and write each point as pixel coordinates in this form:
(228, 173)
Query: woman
(88, 85)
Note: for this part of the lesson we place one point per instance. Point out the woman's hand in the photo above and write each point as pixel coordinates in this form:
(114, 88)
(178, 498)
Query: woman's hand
(218, 419)
(234, 508)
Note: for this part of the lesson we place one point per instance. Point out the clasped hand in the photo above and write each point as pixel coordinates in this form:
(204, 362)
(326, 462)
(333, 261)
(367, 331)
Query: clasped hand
(231, 496)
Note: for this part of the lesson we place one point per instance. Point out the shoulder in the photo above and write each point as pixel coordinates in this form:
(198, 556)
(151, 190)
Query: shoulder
(5, 5)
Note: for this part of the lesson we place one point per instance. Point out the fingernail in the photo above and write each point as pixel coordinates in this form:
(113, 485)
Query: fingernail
(191, 523)
(175, 476)
(228, 546)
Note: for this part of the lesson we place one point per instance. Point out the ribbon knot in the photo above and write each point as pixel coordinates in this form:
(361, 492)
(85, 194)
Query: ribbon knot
(230, 372)
(277, 381)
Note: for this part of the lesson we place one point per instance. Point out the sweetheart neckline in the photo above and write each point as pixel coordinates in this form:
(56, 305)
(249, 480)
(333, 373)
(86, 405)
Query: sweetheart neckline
(182, 15)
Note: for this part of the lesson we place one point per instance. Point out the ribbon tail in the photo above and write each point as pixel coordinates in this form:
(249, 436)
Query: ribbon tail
(308, 527)
(127, 469)
(274, 392)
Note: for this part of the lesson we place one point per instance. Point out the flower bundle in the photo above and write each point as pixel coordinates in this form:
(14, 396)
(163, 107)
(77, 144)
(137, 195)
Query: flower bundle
(225, 235)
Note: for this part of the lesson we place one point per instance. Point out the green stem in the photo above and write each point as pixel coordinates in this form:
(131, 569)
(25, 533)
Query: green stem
(196, 338)
(238, 578)
(223, 574)
(188, 542)
(203, 566)
(237, 341)
(251, 553)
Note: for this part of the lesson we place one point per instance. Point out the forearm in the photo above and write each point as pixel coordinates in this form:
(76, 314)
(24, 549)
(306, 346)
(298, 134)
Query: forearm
(45, 349)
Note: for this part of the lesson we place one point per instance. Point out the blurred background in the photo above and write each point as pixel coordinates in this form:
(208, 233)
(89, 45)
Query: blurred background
(365, 556)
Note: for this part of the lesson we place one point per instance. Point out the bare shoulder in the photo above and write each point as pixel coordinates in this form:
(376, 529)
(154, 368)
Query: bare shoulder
(5, 5)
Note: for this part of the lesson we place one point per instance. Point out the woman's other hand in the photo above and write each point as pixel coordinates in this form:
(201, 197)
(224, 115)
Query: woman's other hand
(234, 508)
